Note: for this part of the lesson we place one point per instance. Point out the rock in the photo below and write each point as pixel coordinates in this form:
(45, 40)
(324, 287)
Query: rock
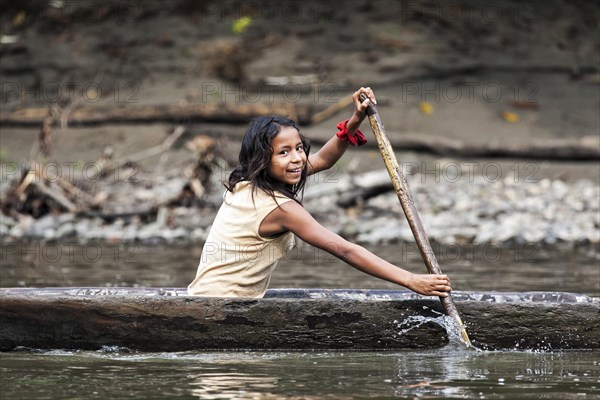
(162, 217)
(45, 227)
(150, 233)
(198, 235)
(17, 232)
(7, 221)
(172, 235)
(559, 189)
(66, 217)
(66, 230)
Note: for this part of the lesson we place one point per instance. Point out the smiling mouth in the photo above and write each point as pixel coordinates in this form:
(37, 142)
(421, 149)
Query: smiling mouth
(295, 170)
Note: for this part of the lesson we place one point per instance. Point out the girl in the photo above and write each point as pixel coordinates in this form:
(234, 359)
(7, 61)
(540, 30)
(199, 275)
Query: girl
(262, 212)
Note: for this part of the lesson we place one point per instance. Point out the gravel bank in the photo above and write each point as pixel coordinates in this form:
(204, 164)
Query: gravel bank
(475, 211)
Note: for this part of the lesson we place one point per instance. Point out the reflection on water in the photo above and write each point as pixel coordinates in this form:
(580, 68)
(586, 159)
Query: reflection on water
(483, 268)
(232, 385)
(451, 372)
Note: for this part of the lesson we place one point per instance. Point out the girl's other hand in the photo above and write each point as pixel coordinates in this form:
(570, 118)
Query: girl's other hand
(430, 285)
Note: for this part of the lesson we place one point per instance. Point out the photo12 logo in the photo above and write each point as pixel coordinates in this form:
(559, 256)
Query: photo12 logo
(475, 11)
(454, 171)
(270, 11)
(70, 171)
(469, 91)
(68, 252)
(69, 92)
(488, 252)
(81, 12)
(284, 92)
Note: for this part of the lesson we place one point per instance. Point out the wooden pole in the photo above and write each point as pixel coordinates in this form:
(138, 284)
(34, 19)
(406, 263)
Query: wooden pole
(410, 211)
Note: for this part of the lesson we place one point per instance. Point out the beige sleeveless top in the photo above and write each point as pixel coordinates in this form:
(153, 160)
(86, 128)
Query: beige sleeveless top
(236, 261)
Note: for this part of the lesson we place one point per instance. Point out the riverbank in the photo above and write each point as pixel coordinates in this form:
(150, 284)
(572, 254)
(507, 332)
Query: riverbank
(456, 207)
(472, 73)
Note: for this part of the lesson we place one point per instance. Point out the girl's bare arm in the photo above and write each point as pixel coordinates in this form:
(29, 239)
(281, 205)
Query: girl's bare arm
(334, 149)
(293, 217)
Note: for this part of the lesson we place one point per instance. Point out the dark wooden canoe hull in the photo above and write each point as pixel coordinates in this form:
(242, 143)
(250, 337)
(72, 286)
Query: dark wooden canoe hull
(163, 319)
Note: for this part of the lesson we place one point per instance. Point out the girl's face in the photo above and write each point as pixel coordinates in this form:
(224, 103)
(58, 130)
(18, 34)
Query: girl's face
(288, 159)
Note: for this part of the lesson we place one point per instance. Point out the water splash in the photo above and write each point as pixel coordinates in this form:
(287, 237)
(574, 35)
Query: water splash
(450, 325)
(114, 349)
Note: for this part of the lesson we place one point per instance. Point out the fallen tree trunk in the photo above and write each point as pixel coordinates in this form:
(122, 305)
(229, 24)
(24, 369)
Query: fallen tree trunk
(218, 112)
(167, 319)
(582, 149)
(586, 148)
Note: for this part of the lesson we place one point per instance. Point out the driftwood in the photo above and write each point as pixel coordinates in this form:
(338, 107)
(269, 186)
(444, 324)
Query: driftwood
(166, 319)
(219, 112)
(54, 192)
(586, 148)
(583, 149)
(57, 188)
(351, 190)
(332, 110)
(38, 192)
(106, 166)
(356, 196)
(66, 185)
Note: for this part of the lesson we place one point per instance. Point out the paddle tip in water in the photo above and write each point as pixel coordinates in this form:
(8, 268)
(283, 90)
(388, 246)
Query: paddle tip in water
(465, 337)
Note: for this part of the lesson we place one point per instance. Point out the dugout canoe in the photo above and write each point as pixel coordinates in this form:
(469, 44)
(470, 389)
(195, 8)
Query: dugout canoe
(167, 319)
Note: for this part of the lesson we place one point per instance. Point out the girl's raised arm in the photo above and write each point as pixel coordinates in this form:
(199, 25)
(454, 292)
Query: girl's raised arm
(333, 150)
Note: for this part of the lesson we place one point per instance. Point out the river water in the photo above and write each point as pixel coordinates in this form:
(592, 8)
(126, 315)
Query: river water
(449, 372)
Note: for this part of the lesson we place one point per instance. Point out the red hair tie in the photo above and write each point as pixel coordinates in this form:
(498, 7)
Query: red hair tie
(357, 140)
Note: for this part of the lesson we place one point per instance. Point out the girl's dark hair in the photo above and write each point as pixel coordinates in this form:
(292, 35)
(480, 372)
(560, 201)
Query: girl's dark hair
(255, 158)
